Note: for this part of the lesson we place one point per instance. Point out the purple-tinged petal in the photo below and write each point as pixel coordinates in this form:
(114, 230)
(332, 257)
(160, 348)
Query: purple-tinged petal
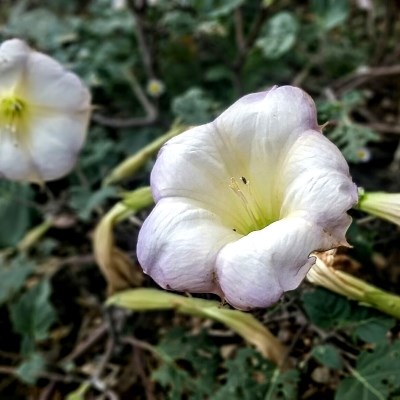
(255, 270)
(178, 245)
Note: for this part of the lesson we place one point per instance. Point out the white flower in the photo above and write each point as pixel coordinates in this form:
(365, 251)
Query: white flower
(44, 112)
(243, 201)
(363, 154)
(155, 88)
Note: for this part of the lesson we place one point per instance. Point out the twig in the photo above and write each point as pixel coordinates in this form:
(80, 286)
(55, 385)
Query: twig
(139, 343)
(147, 383)
(383, 128)
(52, 376)
(245, 44)
(251, 37)
(293, 343)
(240, 40)
(358, 78)
(142, 40)
(48, 391)
(85, 345)
(104, 360)
(111, 394)
(148, 61)
(150, 110)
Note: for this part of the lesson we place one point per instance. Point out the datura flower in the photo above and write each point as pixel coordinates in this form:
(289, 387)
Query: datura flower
(243, 201)
(44, 112)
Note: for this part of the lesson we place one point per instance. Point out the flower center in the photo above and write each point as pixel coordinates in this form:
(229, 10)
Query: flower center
(253, 217)
(13, 114)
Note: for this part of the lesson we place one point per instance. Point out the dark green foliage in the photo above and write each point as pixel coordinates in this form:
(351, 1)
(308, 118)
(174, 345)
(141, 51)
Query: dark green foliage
(15, 212)
(32, 315)
(331, 311)
(376, 376)
(328, 355)
(13, 274)
(192, 367)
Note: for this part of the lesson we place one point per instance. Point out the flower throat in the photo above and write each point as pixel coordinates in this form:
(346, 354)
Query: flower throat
(252, 215)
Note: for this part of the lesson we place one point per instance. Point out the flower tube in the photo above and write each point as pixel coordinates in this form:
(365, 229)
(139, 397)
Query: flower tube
(381, 204)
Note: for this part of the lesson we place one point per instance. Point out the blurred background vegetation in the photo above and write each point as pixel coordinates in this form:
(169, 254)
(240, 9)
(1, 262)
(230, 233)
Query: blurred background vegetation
(148, 64)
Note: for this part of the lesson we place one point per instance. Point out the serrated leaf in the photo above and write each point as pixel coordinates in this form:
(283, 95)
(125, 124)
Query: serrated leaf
(32, 315)
(375, 376)
(327, 355)
(12, 277)
(283, 386)
(30, 369)
(279, 35)
(250, 377)
(200, 358)
(329, 310)
(326, 309)
(351, 138)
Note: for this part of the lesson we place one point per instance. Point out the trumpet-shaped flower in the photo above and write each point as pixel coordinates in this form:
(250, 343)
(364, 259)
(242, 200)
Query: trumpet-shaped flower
(242, 202)
(44, 112)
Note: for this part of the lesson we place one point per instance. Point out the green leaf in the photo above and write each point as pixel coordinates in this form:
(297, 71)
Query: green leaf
(329, 310)
(30, 369)
(250, 376)
(15, 215)
(197, 354)
(352, 138)
(192, 368)
(375, 376)
(374, 330)
(13, 276)
(330, 13)
(328, 355)
(283, 385)
(49, 29)
(224, 7)
(278, 36)
(193, 107)
(84, 201)
(326, 309)
(32, 315)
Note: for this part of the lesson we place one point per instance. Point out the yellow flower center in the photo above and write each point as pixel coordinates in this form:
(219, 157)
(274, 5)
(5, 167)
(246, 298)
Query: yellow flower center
(13, 116)
(252, 215)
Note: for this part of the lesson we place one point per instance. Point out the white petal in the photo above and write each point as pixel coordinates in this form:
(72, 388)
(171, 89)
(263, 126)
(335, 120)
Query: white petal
(268, 121)
(13, 58)
(195, 166)
(259, 130)
(55, 140)
(15, 161)
(255, 270)
(47, 84)
(317, 183)
(178, 244)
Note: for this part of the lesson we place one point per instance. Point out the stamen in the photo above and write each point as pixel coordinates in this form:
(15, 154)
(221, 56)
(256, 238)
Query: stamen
(253, 210)
(235, 187)
(13, 113)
